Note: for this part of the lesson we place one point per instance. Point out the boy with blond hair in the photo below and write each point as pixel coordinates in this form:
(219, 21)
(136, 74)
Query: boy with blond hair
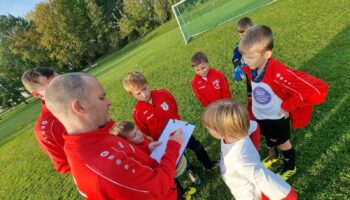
(209, 84)
(279, 95)
(228, 121)
(153, 110)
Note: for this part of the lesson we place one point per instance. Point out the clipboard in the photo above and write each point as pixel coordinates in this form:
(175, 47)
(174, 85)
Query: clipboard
(171, 126)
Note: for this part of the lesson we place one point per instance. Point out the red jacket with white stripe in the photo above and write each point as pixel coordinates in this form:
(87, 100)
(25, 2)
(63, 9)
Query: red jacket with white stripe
(49, 134)
(151, 118)
(298, 90)
(108, 167)
(213, 89)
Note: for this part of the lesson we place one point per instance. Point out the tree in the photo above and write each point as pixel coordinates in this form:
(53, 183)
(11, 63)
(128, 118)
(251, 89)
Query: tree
(160, 9)
(137, 19)
(10, 93)
(104, 16)
(66, 32)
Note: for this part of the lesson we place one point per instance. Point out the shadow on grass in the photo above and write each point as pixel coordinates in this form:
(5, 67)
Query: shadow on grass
(324, 144)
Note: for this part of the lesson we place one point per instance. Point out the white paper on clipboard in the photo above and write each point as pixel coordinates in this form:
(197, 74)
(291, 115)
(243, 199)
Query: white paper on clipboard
(171, 126)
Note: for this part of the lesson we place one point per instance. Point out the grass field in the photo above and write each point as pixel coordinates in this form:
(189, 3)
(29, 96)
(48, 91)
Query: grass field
(312, 36)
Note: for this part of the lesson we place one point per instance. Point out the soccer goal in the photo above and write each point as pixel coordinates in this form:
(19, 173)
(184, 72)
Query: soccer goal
(197, 16)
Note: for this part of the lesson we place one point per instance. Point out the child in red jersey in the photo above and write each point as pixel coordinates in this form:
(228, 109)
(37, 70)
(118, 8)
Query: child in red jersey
(153, 110)
(48, 130)
(209, 85)
(279, 94)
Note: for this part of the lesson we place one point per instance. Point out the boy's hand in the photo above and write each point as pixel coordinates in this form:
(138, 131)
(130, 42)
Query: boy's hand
(177, 136)
(284, 113)
(238, 73)
(153, 145)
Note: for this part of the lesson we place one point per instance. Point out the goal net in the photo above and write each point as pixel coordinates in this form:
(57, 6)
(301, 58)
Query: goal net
(197, 16)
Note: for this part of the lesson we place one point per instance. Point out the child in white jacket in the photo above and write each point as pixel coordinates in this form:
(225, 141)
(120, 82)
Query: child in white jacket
(242, 171)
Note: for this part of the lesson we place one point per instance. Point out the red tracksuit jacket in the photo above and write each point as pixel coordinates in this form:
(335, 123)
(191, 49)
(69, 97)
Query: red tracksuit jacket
(152, 118)
(49, 134)
(108, 167)
(297, 90)
(213, 89)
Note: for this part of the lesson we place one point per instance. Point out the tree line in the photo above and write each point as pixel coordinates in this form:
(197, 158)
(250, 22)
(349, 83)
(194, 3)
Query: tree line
(69, 35)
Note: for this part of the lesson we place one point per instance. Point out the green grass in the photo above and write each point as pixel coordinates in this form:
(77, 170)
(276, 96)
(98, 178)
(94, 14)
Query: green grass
(312, 36)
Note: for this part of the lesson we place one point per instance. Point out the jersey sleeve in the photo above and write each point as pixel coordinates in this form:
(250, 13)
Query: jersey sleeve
(265, 181)
(52, 143)
(236, 55)
(138, 180)
(302, 89)
(226, 92)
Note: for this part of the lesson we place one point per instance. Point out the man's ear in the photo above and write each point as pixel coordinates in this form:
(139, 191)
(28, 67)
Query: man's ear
(37, 95)
(268, 54)
(78, 108)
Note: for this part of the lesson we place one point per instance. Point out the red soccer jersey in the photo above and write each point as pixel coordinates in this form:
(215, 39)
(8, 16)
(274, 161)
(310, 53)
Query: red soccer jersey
(214, 88)
(108, 167)
(298, 90)
(151, 118)
(49, 134)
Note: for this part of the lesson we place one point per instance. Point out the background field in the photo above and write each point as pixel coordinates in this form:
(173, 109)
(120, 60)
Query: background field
(313, 36)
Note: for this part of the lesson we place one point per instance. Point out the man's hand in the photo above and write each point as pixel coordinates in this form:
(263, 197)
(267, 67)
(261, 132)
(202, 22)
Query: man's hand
(153, 145)
(177, 136)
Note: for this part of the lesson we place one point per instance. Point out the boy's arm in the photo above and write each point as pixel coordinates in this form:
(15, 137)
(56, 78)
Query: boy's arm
(53, 144)
(302, 89)
(236, 57)
(265, 180)
(226, 92)
(201, 99)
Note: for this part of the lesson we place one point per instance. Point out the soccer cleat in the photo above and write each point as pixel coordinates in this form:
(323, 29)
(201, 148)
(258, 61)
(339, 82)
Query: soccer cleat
(189, 192)
(286, 174)
(194, 177)
(268, 161)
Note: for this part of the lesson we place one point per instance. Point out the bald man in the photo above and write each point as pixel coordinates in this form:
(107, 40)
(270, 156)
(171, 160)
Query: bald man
(48, 129)
(105, 166)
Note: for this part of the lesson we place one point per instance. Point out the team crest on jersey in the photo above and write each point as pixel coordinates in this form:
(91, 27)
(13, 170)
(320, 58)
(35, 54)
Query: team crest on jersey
(165, 106)
(216, 84)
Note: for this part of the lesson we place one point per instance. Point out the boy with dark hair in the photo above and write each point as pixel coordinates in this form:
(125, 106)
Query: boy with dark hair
(128, 131)
(238, 61)
(48, 129)
(209, 84)
(279, 94)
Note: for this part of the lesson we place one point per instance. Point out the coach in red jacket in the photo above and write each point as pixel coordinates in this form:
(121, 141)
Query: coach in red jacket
(105, 166)
(48, 130)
